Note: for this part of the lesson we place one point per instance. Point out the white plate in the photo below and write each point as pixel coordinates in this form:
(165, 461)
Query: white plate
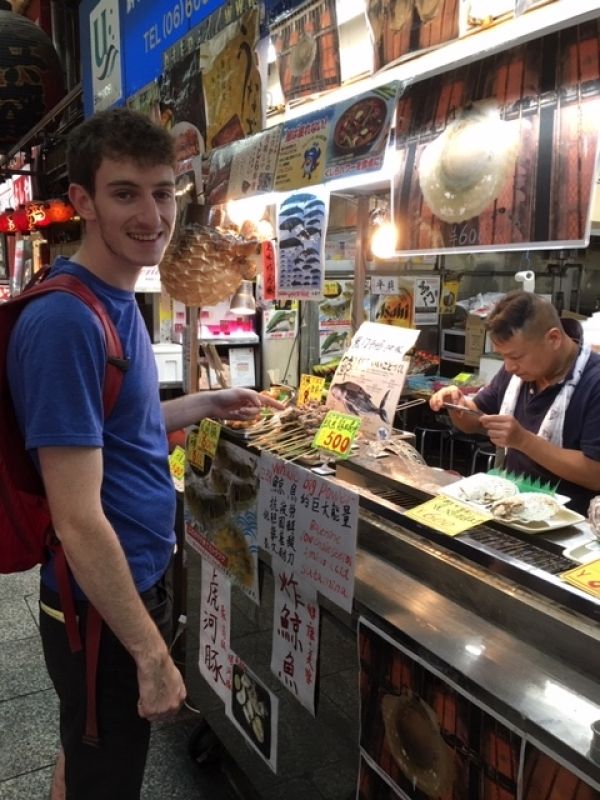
(584, 553)
(562, 519)
(455, 490)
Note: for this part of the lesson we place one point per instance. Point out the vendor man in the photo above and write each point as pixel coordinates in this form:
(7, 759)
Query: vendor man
(543, 406)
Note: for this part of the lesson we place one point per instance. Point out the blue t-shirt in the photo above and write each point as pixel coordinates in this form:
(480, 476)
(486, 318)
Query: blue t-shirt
(56, 363)
(581, 429)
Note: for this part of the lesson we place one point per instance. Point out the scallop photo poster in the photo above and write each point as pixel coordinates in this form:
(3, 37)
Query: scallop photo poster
(501, 153)
(425, 737)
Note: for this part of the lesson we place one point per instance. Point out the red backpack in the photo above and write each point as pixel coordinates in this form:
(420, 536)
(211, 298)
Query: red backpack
(26, 535)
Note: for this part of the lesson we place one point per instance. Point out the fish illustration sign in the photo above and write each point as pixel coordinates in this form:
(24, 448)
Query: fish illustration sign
(370, 376)
(105, 43)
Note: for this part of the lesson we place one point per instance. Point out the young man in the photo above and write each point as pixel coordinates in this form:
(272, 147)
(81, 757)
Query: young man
(542, 406)
(107, 480)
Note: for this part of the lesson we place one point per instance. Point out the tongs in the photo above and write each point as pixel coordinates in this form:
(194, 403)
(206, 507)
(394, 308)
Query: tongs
(417, 401)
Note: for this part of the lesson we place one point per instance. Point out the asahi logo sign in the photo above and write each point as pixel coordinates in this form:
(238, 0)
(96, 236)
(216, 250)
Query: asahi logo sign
(105, 40)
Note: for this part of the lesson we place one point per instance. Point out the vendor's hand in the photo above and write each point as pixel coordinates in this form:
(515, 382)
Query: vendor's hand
(448, 394)
(242, 404)
(504, 430)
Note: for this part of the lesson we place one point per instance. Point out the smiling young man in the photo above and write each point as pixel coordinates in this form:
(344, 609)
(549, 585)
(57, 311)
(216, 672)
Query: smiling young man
(107, 480)
(542, 406)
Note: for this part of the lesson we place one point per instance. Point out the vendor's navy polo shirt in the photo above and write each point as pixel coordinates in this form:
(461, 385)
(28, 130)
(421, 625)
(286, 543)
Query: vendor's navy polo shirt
(581, 429)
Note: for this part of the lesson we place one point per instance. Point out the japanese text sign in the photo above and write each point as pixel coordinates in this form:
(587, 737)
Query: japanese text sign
(203, 442)
(336, 433)
(585, 577)
(296, 622)
(310, 389)
(447, 516)
(215, 659)
(309, 524)
(177, 467)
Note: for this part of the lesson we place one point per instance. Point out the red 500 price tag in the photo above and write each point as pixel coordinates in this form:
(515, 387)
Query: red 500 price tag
(336, 434)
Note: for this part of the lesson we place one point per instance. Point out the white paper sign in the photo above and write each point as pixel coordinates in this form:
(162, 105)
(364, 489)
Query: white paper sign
(308, 523)
(370, 376)
(241, 366)
(296, 623)
(215, 659)
(427, 300)
(254, 711)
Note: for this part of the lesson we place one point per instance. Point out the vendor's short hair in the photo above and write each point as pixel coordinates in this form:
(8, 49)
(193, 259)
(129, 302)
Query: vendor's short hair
(119, 134)
(522, 311)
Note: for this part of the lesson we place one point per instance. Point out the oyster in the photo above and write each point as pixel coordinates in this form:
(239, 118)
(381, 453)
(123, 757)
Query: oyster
(485, 489)
(526, 507)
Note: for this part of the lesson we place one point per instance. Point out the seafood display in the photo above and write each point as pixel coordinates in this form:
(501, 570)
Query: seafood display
(482, 489)
(251, 708)
(526, 507)
(221, 507)
(290, 433)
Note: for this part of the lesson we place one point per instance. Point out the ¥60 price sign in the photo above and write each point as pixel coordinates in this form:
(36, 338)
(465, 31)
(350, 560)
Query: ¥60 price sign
(336, 434)
(203, 442)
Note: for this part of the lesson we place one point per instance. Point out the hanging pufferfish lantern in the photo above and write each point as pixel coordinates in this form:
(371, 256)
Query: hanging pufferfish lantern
(32, 78)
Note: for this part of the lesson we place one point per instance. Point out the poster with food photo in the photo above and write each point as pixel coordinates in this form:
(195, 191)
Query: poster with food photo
(302, 152)
(220, 514)
(308, 49)
(359, 132)
(232, 82)
(401, 28)
(501, 153)
(301, 225)
(254, 710)
(423, 734)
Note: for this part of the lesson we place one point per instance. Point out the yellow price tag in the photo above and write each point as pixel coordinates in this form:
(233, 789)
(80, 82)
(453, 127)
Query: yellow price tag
(445, 515)
(310, 389)
(585, 577)
(462, 377)
(203, 442)
(336, 434)
(177, 467)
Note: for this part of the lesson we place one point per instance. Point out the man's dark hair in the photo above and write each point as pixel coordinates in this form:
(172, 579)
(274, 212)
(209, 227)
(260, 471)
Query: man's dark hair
(522, 311)
(117, 134)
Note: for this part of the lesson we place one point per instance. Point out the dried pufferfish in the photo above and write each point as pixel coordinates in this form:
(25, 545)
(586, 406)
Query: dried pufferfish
(204, 265)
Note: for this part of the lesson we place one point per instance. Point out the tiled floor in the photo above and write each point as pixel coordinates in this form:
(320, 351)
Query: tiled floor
(29, 724)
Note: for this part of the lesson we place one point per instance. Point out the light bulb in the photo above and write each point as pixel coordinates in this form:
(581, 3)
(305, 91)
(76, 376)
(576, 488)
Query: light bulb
(384, 240)
(249, 209)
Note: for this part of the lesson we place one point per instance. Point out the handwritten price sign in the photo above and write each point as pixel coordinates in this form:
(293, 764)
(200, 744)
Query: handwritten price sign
(311, 389)
(203, 442)
(445, 515)
(336, 434)
(177, 467)
(586, 578)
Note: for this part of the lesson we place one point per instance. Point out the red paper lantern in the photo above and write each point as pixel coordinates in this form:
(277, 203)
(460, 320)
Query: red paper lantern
(20, 220)
(59, 211)
(38, 216)
(4, 224)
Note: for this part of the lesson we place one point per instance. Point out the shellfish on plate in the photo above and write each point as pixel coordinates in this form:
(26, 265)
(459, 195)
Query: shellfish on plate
(482, 489)
(526, 507)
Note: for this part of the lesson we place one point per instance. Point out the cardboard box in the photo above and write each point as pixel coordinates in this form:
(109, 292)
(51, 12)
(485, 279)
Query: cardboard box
(474, 340)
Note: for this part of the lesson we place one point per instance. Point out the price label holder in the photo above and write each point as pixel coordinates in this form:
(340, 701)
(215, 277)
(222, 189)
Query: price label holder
(335, 436)
(177, 467)
(585, 577)
(203, 442)
(446, 515)
(310, 389)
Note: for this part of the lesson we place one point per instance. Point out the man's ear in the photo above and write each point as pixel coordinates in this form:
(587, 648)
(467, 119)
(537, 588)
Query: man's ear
(555, 337)
(82, 201)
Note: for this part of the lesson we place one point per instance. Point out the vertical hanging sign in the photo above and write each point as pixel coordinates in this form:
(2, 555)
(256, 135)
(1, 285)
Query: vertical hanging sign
(215, 659)
(105, 42)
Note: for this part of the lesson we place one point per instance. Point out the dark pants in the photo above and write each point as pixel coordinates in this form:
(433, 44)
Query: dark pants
(115, 769)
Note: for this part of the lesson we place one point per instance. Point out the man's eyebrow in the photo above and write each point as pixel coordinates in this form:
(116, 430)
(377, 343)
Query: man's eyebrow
(134, 185)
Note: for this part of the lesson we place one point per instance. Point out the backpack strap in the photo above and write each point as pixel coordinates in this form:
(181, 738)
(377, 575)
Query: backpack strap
(116, 363)
(116, 366)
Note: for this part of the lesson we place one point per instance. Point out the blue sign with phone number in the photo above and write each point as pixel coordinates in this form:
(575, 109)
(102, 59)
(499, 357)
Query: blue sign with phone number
(148, 28)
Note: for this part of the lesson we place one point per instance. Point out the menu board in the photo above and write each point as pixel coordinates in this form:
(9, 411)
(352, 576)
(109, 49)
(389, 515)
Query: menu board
(309, 524)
